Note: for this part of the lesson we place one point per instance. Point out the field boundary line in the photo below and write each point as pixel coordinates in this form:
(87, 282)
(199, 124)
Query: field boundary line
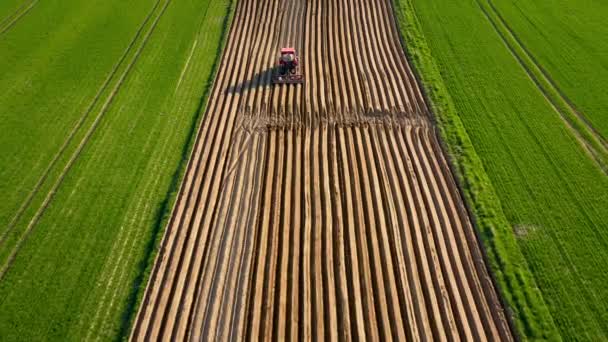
(454, 174)
(75, 129)
(585, 134)
(184, 169)
(493, 232)
(135, 292)
(80, 147)
(7, 23)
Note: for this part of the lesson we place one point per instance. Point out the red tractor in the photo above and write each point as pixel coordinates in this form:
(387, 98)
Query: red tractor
(287, 70)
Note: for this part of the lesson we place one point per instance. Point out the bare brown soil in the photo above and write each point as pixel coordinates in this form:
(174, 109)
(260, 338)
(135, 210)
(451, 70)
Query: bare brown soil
(318, 211)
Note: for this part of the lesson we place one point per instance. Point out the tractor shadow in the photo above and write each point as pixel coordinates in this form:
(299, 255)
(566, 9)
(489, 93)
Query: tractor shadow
(259, 79)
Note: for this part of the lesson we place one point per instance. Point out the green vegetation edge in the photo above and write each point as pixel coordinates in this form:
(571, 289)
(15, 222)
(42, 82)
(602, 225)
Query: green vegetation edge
(159, 229)
(525, 305)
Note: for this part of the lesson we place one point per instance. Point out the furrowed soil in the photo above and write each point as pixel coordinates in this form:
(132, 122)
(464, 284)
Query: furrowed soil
(322, 210)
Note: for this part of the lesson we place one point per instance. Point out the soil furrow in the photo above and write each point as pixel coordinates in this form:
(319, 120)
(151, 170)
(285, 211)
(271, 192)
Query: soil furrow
(323, 210)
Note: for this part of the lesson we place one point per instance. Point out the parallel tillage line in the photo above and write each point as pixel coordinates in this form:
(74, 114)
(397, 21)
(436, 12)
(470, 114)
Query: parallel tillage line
(319, 211)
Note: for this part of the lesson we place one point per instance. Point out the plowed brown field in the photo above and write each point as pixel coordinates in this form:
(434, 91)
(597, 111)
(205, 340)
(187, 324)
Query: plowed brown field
(325, 210)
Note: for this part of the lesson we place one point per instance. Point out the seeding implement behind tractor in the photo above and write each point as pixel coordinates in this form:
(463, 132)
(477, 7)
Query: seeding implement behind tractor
(287, 70)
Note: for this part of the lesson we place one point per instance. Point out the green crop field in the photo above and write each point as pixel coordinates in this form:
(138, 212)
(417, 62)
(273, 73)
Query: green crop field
(519, 90)
(98, 102)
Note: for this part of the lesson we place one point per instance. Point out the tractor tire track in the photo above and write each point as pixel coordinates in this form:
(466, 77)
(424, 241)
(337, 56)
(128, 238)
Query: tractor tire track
(581, 116)
(589, 138)
(12, 19)
(324, 210)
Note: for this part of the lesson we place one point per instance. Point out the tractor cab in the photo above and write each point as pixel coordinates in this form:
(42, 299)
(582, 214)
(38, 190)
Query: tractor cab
(287, 70)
